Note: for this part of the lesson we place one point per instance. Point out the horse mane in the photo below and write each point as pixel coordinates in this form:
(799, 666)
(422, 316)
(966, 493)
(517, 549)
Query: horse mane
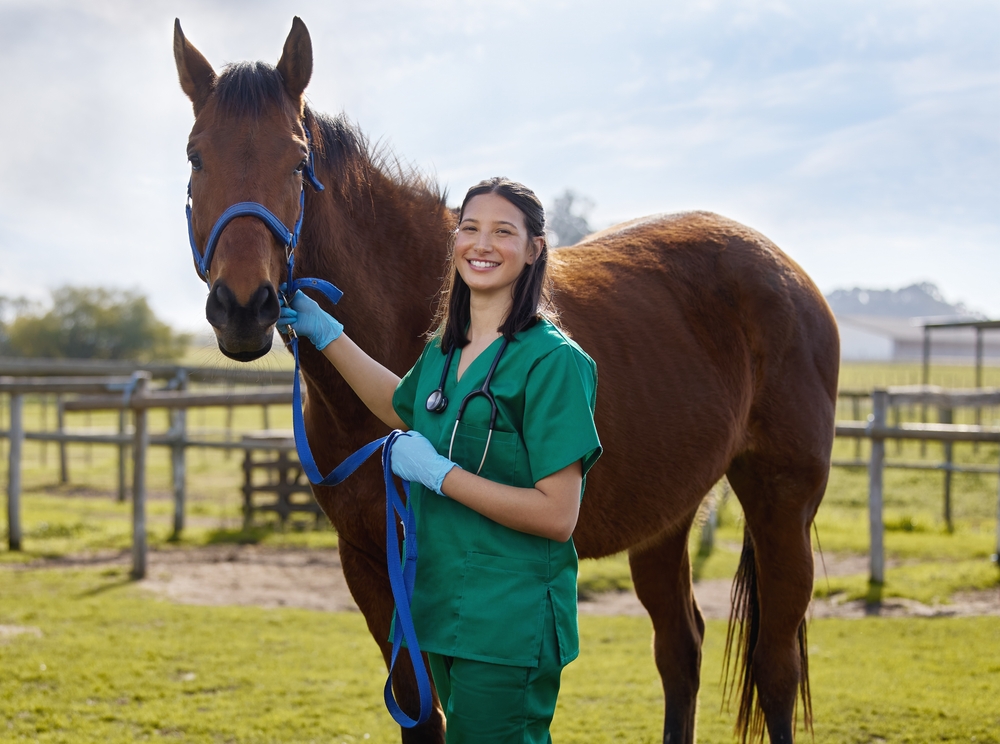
(248, 88)
(341, 145)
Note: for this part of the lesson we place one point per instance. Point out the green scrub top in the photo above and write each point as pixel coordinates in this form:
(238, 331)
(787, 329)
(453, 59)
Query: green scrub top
(482, 589)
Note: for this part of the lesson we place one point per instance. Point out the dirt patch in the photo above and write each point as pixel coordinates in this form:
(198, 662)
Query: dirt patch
(312, 579)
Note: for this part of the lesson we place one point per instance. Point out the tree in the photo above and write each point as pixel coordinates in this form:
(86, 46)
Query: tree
(92, 323)
(567, 218)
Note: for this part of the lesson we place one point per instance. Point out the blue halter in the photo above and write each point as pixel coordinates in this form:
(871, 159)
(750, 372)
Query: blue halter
(402, 573)
(288, 238)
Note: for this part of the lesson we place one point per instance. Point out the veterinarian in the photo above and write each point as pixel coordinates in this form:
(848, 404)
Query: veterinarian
(499, 410)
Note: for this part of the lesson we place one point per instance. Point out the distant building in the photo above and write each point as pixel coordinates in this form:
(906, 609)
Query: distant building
(887, 325)
(874, 338)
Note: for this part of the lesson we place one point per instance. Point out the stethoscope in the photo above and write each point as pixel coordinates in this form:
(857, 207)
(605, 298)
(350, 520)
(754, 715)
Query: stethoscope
(437, 401)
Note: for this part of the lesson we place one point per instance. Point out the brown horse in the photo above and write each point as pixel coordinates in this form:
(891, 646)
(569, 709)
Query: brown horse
(717, 356)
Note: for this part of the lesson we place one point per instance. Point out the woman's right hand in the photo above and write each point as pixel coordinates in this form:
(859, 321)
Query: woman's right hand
(308, 319)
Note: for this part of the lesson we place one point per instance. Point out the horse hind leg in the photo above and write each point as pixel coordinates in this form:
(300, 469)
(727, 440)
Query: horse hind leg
(772, 591)
(661, 573)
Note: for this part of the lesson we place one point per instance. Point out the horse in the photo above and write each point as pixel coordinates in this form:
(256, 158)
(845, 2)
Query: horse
(717, 356)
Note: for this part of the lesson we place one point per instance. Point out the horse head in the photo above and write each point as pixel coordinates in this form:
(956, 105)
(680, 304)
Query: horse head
(248, 145)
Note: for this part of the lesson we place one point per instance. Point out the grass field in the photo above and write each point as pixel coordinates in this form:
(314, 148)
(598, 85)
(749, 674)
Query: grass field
(101, 661)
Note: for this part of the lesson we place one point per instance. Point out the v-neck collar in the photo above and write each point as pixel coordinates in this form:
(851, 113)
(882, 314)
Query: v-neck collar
(453, 373)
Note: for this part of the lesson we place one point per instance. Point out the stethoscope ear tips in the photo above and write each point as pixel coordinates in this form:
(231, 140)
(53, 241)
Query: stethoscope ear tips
(436, 401)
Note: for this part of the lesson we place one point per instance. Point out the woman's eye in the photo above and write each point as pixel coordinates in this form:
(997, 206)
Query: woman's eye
(468, 229)
(195, 161)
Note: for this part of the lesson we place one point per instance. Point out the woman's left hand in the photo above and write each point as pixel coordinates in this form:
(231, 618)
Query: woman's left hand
(415, 459)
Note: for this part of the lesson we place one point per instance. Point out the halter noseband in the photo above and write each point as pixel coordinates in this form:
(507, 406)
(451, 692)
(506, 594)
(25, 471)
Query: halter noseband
(288, 238)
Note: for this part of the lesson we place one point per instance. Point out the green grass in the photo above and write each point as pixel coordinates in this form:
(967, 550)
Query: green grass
(109, 663)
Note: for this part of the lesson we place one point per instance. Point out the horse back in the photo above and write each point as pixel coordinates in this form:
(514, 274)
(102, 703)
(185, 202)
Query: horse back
(703, 332)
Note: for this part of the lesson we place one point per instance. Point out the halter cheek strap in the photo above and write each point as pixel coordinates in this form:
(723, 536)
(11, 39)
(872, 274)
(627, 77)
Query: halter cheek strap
(288, 238)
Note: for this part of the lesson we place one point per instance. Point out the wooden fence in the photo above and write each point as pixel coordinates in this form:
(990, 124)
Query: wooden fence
(122, 388)
(879, 431)
(134, 396)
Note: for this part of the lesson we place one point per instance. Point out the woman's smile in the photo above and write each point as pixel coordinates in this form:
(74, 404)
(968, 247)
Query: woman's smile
(478, 263)
(492, 245)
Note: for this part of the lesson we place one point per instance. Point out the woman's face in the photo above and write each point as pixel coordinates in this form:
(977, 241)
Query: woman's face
(492, 245)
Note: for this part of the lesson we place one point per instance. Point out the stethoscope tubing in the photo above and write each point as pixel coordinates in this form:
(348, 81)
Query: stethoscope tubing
(483, 390)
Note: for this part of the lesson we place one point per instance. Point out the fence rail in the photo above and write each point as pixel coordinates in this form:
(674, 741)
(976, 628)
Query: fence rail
(15, 367)
(878, 431)
(138, 399)
(124, 387)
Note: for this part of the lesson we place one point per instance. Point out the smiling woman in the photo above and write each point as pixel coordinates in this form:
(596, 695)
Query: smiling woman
(494, 601)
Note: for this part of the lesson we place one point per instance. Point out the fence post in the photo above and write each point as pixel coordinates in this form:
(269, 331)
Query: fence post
(880, 401)
(178, 429)
(61, 428)
(122, 454)
(44, 400)
(139, 447)
(925, 380)
(14, 471)
(996, 556)
(856, 415)
(945, 415)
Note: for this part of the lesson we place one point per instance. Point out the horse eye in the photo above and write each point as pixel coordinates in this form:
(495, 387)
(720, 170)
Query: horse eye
(195, 162)
(302, 166)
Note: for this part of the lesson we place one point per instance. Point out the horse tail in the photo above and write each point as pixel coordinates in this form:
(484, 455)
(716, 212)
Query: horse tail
(741, 641)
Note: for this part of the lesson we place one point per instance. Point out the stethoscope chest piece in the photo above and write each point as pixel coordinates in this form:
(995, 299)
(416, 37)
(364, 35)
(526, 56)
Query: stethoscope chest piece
(437, 401)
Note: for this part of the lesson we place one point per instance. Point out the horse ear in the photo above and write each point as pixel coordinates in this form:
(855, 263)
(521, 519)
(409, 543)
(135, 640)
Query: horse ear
(296, 61)
(196, 74)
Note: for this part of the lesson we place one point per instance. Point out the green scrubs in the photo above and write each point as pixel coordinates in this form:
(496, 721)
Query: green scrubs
(486, 593)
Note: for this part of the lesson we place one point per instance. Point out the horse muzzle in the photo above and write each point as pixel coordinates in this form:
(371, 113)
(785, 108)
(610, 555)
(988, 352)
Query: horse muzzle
(244, 331)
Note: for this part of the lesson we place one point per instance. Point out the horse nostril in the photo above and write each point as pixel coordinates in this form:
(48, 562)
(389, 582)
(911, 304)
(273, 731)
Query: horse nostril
(264, 305)
(220, 302)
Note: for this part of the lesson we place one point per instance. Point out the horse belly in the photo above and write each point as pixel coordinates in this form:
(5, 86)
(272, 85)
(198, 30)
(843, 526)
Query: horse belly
(672, 402)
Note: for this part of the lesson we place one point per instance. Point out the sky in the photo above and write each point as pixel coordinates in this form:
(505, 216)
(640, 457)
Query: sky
(861, 137)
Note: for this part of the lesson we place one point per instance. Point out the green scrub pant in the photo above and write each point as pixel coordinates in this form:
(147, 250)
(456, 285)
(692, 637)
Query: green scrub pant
(499, 704)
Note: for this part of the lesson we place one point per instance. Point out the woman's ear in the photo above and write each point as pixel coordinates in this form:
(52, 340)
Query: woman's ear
(537, 245)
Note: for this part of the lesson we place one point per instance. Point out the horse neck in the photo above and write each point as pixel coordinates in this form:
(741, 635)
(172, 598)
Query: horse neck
(384, 244)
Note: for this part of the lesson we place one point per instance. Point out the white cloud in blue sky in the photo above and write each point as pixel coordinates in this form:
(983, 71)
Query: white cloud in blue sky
(861, 137)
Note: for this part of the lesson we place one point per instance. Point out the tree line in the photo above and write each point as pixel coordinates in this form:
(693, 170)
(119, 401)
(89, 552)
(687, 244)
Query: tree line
(88, 323)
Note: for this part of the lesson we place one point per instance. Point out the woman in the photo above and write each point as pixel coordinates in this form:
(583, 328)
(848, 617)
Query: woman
(496, 502)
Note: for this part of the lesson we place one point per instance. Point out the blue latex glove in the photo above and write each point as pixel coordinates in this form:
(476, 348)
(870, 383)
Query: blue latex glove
(308, 319)
(415, 459)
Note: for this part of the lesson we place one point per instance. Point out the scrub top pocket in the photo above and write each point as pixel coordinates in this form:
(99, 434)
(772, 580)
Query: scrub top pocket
(501, 459)
(502, 609)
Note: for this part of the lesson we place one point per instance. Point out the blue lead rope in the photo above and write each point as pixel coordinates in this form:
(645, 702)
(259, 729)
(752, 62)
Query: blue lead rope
(401, 574)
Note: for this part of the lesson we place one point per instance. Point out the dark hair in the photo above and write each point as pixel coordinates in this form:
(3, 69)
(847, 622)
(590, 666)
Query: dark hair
(532, 294)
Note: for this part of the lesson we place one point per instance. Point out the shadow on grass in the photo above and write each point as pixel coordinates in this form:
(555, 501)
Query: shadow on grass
(99, 590)
(252, 535)
(873, 599)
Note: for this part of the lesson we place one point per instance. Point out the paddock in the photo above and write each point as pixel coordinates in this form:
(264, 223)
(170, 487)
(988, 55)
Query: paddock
(629, 687)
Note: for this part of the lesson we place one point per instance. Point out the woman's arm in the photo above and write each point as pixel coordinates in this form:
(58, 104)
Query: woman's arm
(550, 509)
(372, 382)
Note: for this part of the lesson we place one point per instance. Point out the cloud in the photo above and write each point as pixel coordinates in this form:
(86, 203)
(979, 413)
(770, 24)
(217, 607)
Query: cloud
(859, 136)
